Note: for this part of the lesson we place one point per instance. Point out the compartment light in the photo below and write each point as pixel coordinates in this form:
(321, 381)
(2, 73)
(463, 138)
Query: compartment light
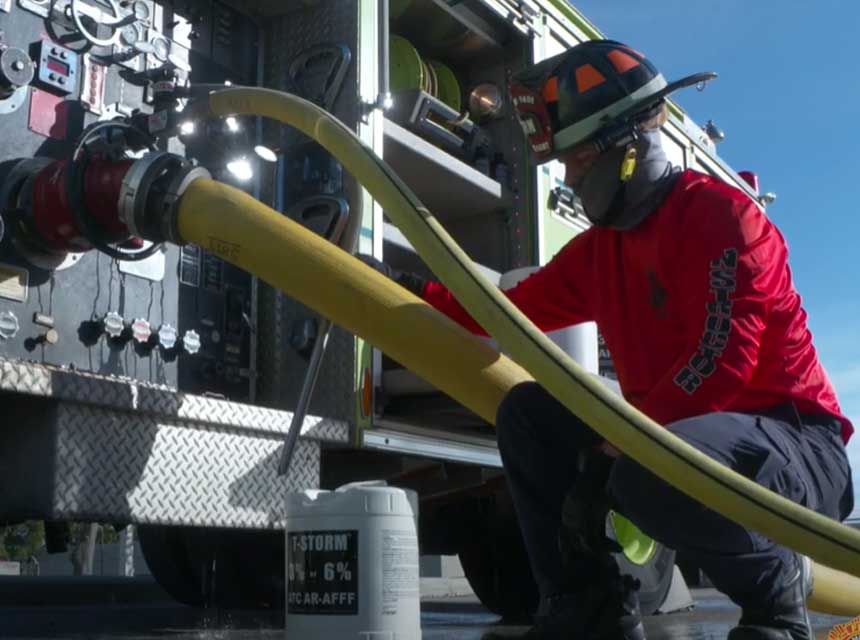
(241, 169)
(269, 155)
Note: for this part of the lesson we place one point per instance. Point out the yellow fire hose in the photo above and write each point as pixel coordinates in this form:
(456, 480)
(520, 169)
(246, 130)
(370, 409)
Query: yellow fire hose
(245, 232)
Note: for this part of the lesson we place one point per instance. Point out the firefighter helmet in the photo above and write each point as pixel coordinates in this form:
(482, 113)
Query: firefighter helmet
(598, 90)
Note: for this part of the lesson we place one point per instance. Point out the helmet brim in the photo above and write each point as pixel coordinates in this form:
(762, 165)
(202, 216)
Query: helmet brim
(630, 112)
(653, 99)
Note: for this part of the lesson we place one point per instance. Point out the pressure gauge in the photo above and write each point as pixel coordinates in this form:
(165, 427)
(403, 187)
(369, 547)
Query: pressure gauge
(131, 34)
(160, 48)
(141, 11)
(8, 325)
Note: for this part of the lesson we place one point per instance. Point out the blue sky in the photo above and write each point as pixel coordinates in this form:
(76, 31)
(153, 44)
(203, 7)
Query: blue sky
(788, 99)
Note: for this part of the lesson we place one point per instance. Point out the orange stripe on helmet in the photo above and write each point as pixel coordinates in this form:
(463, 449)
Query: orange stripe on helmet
(621, 61)
(550, 90)
(588, 77)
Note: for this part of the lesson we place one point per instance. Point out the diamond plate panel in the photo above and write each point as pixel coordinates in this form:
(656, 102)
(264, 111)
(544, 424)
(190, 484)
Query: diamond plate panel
(113, 465)
(280, 369)
(157, 401)
(48, 380)
(223, 412)
(16, 376)
(325, 22)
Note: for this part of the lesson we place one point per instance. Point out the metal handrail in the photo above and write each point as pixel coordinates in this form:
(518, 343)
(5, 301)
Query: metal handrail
(346, 237)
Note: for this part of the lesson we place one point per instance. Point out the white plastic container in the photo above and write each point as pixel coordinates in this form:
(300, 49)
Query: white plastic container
(578, 341)
(352, 564)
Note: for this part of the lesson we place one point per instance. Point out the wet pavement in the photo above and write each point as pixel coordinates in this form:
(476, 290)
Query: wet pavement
(442, 619)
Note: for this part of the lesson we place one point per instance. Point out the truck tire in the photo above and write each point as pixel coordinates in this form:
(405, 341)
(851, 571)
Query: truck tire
(167, 557)
(497, 568)
(255, 564)
(230, 569)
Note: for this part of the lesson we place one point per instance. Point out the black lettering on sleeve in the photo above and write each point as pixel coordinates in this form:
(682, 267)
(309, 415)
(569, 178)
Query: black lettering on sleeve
(722, 280)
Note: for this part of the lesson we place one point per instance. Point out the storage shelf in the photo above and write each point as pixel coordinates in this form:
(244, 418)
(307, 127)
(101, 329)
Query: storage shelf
(392, 235)
(445, 29)
(400, 382)
(448, 187)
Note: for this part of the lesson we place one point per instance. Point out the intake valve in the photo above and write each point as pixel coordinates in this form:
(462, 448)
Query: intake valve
(16, 70)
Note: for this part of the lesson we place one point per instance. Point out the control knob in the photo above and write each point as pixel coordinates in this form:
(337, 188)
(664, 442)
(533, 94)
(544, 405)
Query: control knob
(191, 341)
(167, 336)
(113, 325)
(141, 331)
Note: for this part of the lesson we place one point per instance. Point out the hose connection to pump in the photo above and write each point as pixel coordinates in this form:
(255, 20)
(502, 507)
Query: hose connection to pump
(98, 198)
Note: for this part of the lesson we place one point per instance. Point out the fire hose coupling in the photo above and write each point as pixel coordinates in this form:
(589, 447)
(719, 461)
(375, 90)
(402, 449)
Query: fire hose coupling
(104, 196)
(71, 205)
(150, 193)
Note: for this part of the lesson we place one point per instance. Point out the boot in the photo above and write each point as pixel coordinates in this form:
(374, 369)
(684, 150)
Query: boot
(612, 613)
(606, 608)
(786, 616)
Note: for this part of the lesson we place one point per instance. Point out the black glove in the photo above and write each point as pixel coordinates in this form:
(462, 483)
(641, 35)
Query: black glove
(410, 281)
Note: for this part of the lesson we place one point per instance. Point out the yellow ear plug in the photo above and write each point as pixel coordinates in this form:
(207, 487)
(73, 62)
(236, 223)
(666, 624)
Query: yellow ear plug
(628, 165)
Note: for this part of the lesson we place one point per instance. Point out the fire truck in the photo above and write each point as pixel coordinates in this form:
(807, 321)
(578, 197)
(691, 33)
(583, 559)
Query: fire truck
(155, 385)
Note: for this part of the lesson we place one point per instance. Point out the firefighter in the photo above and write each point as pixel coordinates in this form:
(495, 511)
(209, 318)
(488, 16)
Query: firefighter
(689, 284)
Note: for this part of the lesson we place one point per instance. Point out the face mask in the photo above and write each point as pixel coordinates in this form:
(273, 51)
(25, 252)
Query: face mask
(609, 202)
(598, 188)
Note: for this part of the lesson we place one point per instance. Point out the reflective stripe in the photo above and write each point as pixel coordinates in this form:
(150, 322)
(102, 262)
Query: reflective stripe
(576, 133)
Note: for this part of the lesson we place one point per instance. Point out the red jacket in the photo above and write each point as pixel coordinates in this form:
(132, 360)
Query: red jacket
(696, 304)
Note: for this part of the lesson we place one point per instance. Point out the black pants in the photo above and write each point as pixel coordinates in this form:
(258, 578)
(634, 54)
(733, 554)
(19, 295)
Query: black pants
(539, 440)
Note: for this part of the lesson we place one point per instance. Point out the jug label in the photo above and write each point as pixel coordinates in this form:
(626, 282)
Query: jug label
(400, 577)
(322, 572)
